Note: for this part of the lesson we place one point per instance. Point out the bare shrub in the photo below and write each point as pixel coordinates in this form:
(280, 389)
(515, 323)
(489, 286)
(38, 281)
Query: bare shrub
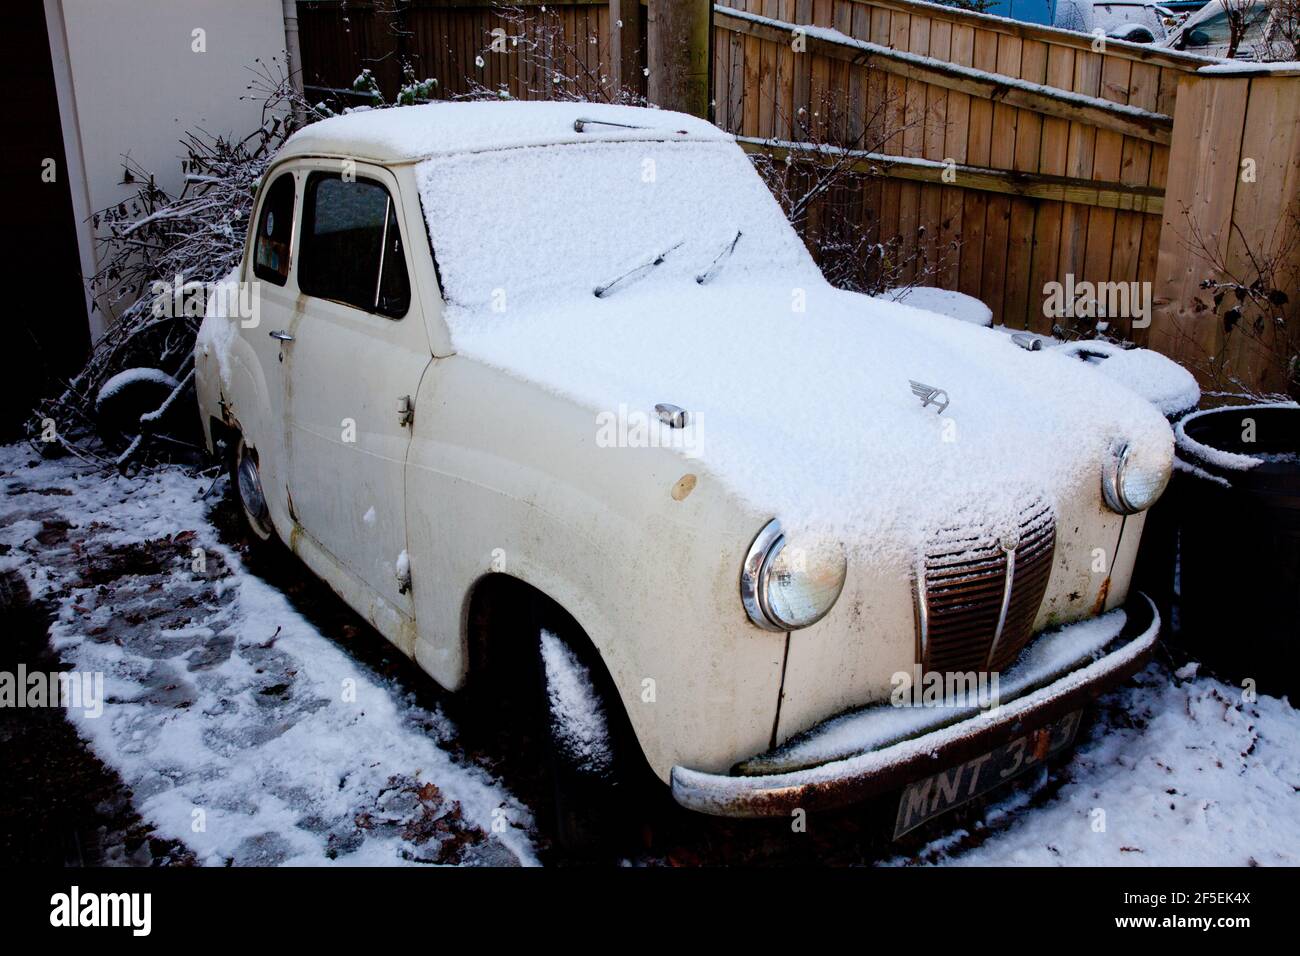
(828, 178)
(154, 241)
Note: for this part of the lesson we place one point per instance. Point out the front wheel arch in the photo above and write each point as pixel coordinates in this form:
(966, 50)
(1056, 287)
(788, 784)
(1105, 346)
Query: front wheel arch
(503, 613)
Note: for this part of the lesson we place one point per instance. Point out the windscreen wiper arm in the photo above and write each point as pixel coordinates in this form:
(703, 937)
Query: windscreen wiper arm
(716, 266)
(634, 273)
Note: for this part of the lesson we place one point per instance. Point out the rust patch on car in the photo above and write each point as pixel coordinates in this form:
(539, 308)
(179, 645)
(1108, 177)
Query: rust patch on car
(684, 486)
(1099, 605)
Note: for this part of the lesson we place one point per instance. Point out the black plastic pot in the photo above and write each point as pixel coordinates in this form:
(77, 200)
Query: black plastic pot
(1239, 544)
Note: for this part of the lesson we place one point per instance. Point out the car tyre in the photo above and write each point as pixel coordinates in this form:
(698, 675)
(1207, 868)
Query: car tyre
(591, 758)
(246, 480)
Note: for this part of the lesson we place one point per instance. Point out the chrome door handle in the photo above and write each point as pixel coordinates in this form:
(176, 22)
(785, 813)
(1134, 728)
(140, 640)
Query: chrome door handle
(280, 334)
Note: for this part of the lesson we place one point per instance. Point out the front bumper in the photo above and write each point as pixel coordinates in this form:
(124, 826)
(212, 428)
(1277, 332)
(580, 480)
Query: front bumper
(882, 747)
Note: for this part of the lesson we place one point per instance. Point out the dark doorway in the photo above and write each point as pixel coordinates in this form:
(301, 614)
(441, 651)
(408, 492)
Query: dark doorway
(45, 305)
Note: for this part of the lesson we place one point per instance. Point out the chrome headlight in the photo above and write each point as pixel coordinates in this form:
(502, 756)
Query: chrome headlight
(1131, 482)
(784, 587)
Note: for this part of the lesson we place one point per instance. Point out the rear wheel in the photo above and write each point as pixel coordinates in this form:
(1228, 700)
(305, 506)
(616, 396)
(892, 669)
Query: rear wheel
(247, 482)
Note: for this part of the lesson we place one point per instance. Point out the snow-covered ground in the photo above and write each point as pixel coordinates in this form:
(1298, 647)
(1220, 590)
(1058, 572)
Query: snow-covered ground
(242, 731)
(1177, 771)
(253, 738)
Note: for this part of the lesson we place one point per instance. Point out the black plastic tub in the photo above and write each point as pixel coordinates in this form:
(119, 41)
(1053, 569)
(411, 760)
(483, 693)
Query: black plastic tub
(1236, 501)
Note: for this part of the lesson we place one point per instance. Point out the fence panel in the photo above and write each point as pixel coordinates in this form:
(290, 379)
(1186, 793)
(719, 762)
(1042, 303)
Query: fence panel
(1057, 151)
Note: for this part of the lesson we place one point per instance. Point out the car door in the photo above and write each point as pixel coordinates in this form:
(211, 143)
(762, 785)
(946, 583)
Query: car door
(277, 296)
(357, 353)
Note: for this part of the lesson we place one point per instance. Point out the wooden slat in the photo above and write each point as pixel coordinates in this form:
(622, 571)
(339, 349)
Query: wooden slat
(1204, 182)
(1036, 186)
(997, 215)
(956, 135)
(909, 198)
(978, 147)
(1020, 232)
(1106, 162)
(1053, 156)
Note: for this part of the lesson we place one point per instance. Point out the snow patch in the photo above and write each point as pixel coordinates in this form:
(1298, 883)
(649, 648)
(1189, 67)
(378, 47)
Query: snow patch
(1160, 380)
(955, 305)
(1227, 460)
(219, 329)
(129, 377)
(440, 129)
(578, 719)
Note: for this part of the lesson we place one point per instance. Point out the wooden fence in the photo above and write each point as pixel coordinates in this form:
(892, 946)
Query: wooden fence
(1058, 153)
(451, 41)
(1011, 154)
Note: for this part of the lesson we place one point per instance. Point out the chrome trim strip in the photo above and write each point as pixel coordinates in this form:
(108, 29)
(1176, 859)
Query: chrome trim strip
(383, 248)
(751, 574)
(922, 609)
(1006, 603)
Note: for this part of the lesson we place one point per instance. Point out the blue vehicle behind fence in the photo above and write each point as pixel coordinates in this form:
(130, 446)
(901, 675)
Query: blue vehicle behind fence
(1026, 11)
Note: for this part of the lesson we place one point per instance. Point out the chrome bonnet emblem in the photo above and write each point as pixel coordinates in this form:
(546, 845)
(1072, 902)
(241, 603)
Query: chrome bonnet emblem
(929, 395)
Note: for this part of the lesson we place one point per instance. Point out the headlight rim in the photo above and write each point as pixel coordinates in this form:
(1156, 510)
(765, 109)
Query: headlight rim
(762, 554)
(767, 543)
(1112, 481)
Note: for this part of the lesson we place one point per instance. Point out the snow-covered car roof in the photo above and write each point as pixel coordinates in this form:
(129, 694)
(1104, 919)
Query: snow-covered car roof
(411, 133)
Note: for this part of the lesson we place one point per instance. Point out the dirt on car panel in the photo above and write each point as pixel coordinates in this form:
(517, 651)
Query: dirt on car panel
(1099, 605)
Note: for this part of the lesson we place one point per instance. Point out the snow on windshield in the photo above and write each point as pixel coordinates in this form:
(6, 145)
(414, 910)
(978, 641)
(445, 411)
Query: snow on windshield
(519, 227)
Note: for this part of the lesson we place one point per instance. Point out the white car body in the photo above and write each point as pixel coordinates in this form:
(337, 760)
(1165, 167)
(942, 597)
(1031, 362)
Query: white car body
(513, 370)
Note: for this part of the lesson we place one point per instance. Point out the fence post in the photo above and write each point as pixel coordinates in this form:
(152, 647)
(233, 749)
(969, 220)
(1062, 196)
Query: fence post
(625, 44)
(1230, 203)
(677, 34)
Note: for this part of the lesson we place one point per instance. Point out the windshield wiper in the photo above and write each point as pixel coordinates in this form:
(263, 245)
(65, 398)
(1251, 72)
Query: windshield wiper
(634, 273)
(719, 262)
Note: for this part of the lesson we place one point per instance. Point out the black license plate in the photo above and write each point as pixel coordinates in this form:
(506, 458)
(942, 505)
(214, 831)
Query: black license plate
(926, 799)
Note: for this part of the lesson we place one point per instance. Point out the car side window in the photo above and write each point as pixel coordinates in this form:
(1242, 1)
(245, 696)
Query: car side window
(274, 230)
(351, 250)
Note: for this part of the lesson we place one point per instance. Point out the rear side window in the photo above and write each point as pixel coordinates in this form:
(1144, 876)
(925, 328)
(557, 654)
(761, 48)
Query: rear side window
(351, 250)
(274, 227)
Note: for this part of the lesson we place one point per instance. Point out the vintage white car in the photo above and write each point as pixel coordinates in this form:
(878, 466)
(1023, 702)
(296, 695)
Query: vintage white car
(559, 383)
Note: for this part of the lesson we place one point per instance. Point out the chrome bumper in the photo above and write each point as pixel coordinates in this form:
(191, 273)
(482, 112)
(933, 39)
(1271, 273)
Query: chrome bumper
(863, 753)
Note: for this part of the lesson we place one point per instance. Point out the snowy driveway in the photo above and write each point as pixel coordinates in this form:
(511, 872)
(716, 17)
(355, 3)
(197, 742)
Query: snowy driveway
(241, 731)
(249, 736)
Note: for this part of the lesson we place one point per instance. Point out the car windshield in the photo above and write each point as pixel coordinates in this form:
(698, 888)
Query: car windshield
(513, 227)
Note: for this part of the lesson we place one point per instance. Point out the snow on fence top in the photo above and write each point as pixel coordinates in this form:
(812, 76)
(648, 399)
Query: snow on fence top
(416, 132)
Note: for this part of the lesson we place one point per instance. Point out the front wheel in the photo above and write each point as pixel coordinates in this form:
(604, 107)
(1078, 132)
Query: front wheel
(589, 754)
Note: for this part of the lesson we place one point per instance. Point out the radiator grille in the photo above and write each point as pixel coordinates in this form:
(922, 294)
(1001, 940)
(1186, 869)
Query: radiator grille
(979, 592)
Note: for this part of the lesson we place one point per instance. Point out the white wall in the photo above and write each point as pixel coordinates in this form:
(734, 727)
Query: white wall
(130, 82)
